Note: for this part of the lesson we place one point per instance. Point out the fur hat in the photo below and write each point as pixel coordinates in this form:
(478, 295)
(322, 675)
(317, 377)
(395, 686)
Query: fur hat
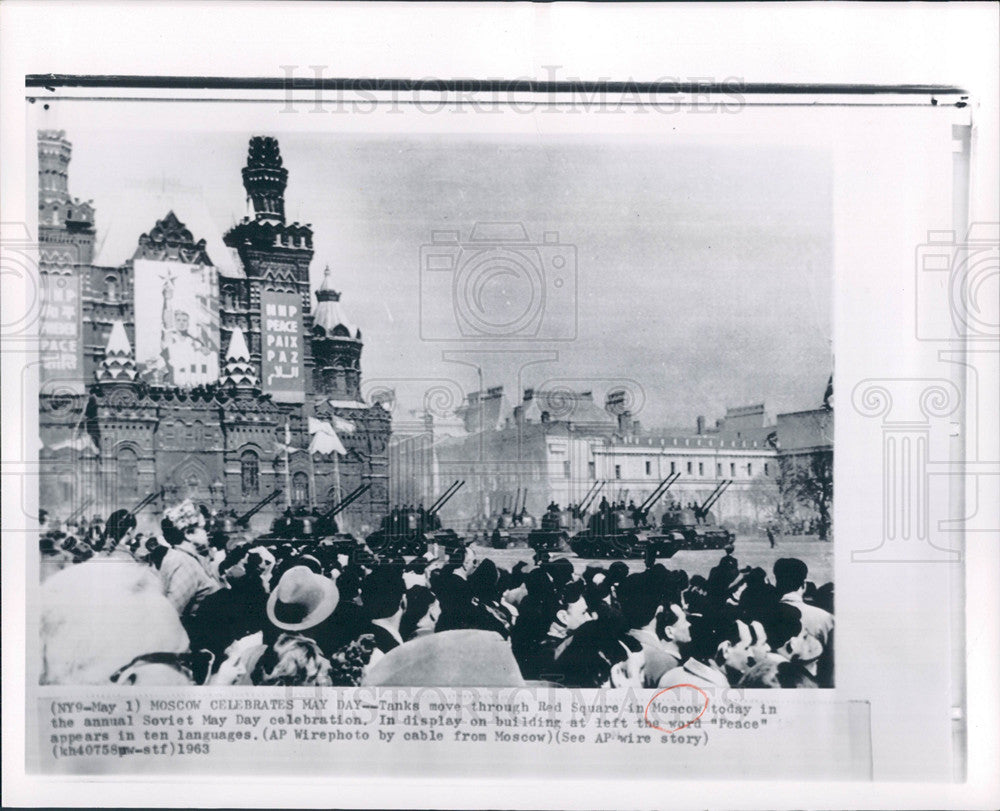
(184, 515)
(301, 600)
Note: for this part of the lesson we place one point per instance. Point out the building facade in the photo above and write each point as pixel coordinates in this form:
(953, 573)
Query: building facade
(558, 446)
(201, 376)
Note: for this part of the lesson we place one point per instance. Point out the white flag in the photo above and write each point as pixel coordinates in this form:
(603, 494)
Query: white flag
(344, 426)
(324, 438)
(326, 442)
(77, 443)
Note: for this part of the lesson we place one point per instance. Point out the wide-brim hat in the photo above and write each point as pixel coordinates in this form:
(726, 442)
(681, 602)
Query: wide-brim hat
(301, 600)
(466, 658)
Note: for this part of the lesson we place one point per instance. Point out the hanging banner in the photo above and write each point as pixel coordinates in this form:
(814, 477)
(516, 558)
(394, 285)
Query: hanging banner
(282, 369)
(59, 330)
(177, 322)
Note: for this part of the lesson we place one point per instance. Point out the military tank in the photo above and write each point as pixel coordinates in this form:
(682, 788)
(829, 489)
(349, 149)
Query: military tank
(623, 533)
(558, 526)
(328, 533)
(695, 527)
(300, 527)
(513, 524)
(405, 531)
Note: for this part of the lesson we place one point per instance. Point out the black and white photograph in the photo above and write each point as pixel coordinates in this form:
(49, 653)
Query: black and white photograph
(400, 420)
(320, 411)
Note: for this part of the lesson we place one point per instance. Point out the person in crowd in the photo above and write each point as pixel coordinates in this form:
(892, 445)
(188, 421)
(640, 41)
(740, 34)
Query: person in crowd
(790, 584)
(185, 571)
(218, 541)
(773, 673)
(415, 573)
(98, 615)
(673, 628)
(234, 611)
(421, 613)
(641, 599)
(54, 556)
(546, 628)
(600, 653)
(117, 534)
(298, 611)
(300, 601)
(451, 584)
(704, 666)
(488, 611)
(383, 598)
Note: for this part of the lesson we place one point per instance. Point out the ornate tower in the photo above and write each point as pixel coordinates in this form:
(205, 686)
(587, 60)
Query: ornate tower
(265, 179)
(336, 347)
(64, 222)
(275, 254)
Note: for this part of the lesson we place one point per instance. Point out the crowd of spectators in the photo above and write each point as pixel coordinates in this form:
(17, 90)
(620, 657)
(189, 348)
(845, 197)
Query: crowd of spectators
(194, 606)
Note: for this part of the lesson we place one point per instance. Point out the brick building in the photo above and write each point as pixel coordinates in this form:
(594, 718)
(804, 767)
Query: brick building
(237, 366)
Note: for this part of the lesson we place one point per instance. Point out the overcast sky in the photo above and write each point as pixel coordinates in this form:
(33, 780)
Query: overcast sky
(703, 271)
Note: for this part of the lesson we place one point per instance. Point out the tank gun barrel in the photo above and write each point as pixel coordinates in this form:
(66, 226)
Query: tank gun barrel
(441, 498)
(348, 500)
(590, 490)
(585, 504)
(146, 501)
(658, 493)
(256, 508)
(715, 496)
(79, 510)
(446, 497)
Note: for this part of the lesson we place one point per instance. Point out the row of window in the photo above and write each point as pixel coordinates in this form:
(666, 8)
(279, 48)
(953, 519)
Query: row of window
(719, 470)
(128, 475)
(592, 469)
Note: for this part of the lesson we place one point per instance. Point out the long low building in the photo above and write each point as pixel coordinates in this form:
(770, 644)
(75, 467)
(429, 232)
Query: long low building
(560, 446)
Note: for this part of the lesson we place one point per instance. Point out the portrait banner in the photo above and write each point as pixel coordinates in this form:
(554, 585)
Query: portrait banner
(177, 322)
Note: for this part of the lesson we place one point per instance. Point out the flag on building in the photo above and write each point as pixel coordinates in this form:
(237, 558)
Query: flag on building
(79, 443)
(342, 425)
(324, 438)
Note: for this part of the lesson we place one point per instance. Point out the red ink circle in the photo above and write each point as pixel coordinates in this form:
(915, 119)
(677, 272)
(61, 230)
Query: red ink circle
(645, 715)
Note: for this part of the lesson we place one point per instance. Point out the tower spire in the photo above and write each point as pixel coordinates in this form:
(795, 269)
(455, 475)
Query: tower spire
(265, 179)
(239, 371)
(118, 365)
(329, 314)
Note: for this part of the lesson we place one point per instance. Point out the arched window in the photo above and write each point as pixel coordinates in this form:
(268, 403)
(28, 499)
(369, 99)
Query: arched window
(111, 284)
(300, 489)
(250, 473)
(198, 434)
(128, 472)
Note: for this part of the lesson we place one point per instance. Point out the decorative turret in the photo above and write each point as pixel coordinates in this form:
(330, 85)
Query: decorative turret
(265, 179)
(118, 365)
(55, 205)
(170, 239)
(54, 153)
(268, 246)
(329, 315)
(336, 346)
(239, 371)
